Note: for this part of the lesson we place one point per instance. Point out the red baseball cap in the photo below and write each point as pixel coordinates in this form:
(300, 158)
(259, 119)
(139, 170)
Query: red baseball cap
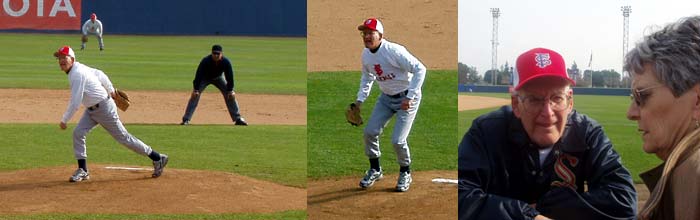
(66, 51)
(539, 62)
(372, 24)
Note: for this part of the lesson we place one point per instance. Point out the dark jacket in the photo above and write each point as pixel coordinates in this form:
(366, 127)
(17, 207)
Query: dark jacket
(500, 174)
(208, 70)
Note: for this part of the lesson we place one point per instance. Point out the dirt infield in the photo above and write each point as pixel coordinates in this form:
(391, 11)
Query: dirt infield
(467, 102)
(428, 29)
(342, 198)
(47, 190)
(155, 107)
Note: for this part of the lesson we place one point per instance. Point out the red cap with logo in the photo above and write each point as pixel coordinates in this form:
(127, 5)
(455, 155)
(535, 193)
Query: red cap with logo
(65, 50)
(372, 24)
(539, 62)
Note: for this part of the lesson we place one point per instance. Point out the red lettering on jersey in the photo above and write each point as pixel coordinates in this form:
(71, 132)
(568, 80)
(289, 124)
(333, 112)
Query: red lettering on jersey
(378, 69)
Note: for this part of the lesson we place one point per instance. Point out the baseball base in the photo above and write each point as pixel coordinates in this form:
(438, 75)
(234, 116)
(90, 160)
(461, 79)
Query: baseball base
(441, 180)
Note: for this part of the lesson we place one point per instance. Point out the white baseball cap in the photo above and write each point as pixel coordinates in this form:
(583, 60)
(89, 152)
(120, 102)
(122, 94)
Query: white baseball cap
(372, 24)
(66, 51)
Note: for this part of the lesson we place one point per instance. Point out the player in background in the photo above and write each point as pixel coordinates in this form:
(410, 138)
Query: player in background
(94, 27)
(218, 70)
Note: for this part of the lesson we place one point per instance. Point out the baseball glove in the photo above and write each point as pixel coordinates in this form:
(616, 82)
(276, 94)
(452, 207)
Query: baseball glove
(122, 100)
(353, 115)
(84, 38)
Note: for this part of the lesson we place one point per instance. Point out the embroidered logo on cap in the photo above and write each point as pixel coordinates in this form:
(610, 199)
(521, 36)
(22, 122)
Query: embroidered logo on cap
(542, 59)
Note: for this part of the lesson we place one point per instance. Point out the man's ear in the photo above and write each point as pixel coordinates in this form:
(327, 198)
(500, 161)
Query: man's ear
(571, 94)
(515, 103)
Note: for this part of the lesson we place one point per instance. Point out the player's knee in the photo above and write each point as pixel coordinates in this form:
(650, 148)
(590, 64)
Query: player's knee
(79, 133)
(398, 142)
(372, 132)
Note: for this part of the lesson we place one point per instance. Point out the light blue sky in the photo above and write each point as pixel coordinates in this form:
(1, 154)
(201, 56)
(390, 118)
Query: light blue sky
(572, 28)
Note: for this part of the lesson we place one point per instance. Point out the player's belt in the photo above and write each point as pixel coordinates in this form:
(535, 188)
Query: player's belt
(398, 95)
(92, 108)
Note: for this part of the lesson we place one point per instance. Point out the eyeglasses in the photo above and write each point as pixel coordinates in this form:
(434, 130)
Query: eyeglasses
(557, 102)
(640, 96)
(363, 34)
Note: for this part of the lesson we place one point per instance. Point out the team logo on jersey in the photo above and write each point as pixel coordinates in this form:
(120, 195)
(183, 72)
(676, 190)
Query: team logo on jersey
(566, 177)
(378, 69)
(542, 59)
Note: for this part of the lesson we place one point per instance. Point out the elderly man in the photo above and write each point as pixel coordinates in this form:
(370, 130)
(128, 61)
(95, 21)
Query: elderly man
(400, 76)
(93, 89)
(541, 159)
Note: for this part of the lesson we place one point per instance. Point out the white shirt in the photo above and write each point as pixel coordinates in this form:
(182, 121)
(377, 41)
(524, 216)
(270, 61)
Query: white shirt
(543, 154)
(92, 27)
(88, 86)
(394, 68)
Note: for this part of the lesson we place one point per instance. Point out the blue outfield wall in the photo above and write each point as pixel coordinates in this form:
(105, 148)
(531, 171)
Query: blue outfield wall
(577, 90)
(208, 17)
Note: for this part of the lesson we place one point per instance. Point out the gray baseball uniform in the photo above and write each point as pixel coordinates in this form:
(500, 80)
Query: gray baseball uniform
(92, 87)
(93, 28)
(400, 76)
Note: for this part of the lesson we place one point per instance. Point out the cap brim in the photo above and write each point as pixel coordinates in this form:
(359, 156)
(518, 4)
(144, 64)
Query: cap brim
(363, 27)
(552, 75)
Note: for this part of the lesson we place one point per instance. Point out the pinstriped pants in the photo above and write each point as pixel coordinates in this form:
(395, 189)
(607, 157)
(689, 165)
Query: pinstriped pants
(385, 108)
(105, 115)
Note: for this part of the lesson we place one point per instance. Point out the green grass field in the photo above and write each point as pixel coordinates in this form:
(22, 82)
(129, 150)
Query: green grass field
(337, 149)
(610, 112)
(261, 65)
(280, 158)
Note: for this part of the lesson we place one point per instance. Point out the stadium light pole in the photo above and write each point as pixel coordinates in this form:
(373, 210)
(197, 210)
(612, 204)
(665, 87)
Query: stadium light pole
(626, 10)
(495, 12)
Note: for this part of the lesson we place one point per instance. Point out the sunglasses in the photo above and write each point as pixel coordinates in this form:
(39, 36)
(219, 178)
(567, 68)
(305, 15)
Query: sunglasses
(640, 96)
(216, 53)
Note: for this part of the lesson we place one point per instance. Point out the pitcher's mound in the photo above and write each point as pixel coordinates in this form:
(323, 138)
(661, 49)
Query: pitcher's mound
(177, 191)
(343, 198)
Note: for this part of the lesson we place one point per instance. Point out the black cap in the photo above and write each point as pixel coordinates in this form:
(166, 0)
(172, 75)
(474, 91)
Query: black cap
(216, 48)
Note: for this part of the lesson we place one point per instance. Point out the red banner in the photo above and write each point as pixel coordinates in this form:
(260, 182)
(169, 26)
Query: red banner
(40, 14)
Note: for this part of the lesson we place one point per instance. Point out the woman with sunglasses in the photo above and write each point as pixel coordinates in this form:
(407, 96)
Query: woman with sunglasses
(665, 71)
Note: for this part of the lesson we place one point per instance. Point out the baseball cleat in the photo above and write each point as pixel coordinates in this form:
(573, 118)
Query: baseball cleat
(241, 122)
(371, 176)
(79, 175)
(404, 182)
(158, 166)
(185, 122)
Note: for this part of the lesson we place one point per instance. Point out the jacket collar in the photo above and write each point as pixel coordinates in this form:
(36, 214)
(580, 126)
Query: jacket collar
(651, 177)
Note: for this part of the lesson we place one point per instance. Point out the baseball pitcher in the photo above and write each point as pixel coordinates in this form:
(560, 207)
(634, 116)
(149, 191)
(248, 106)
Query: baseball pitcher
(400, 76)
(92, 88)
(92, 27)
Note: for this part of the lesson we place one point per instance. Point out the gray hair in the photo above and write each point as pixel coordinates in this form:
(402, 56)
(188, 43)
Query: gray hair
(674, 53)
